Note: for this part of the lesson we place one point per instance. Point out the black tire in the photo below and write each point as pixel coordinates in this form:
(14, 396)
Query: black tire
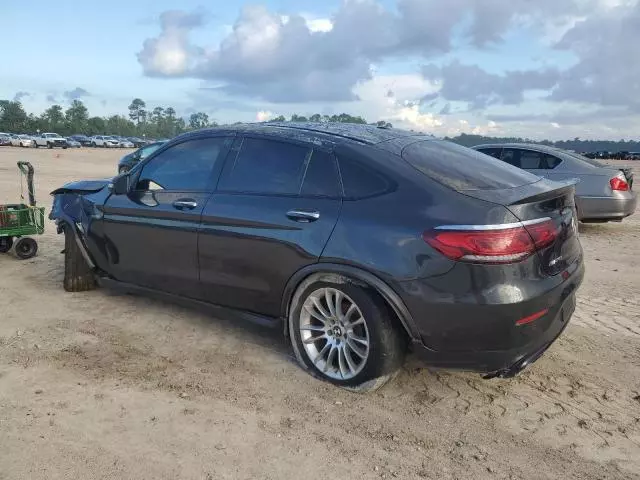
(78, 276)
(35, 144)
(64, 147)
(26, 247)
(388, 342)
(93, 144)
(5, 244)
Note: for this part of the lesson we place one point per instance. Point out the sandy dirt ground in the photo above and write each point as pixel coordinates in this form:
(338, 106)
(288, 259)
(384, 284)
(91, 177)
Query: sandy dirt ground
(110, 386)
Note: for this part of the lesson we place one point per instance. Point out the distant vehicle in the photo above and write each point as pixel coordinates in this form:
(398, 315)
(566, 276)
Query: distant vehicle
(137, 142)
(81, 139)
(104, 141)
(356, 241)
(5, 139)
(125, 142)
(22, 141)
(634, 155)
(73, 143)
(131, 160)
(50, 140)
(602, 193)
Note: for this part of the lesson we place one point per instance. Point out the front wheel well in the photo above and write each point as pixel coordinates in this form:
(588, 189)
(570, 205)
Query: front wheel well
(343, 275)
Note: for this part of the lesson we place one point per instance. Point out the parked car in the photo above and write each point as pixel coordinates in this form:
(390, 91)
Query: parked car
(50, 140)
(83, 140)
(73, 143)
(132, 159)
(634, 155)
(125, 143)
(5, 140)
(22, 141)
(602, 193)
(137, 142)
(354, 240)
(104, 141)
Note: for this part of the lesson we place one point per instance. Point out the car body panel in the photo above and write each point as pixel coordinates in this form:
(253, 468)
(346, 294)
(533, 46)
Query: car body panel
(244, 236)
(134, 222)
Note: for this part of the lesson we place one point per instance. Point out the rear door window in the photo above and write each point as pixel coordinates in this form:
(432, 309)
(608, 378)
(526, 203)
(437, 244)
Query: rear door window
(493, 152)
(360, 180)
(265, 166)
(530, 159)
(321, 177)
(461, 168)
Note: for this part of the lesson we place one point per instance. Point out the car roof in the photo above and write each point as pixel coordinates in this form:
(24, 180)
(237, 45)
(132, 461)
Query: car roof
(318, 133)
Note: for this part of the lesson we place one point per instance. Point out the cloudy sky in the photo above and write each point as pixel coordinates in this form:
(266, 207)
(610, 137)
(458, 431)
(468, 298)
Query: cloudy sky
(537, 68)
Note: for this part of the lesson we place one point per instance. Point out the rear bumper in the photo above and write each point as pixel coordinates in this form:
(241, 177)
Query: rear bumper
(605, 208)
(484, 337)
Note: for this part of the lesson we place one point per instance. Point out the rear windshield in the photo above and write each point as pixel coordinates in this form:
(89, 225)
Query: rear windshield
(461, 168)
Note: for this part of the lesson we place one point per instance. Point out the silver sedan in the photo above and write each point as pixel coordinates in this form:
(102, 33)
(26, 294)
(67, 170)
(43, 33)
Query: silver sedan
(603, 193)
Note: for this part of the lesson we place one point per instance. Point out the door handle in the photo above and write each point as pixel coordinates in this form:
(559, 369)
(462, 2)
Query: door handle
(186, 204)
(304, 216)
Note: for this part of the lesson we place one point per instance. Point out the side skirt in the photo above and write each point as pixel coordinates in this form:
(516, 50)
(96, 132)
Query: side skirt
(209, 308)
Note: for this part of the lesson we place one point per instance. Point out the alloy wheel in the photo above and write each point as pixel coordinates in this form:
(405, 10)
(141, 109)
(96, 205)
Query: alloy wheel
(334, 333)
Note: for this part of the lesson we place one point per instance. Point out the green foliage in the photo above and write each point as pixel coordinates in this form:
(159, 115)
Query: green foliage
(13, 118)
(96, 126)
(53, 119)
(76, 118)
(200, 120)
(137, 112)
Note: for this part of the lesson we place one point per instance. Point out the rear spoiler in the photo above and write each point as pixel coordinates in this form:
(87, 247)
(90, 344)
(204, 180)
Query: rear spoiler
(534, 192)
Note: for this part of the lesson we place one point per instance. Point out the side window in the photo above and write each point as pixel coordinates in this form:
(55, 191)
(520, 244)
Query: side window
(361, 181)
(321, 178)
(530, 160)
(551, 162)
(511, 156)
(493, 152)
(186, 166)
(266, 166)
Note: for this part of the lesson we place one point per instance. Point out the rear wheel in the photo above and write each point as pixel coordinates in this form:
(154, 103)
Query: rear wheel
(345, 334)
(49, 145)
(5, 244)
(78, 276)
(26, 248)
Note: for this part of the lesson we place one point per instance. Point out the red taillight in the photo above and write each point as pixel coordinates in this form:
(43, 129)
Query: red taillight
(492, 243)
(619, 184)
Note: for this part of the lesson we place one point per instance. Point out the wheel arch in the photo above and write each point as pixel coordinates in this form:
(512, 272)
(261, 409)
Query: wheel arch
(359, 277)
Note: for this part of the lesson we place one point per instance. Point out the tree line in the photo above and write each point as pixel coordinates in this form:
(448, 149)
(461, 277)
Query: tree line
(157, 122)
(163, 122)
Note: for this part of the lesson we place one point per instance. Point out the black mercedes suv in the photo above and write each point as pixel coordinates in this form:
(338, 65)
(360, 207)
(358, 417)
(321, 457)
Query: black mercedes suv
(359, 242)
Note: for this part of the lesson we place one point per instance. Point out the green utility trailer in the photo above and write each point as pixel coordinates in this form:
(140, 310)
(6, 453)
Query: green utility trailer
(17, 221)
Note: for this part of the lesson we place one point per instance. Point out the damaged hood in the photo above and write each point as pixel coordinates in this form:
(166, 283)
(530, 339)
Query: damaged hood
(83, 186)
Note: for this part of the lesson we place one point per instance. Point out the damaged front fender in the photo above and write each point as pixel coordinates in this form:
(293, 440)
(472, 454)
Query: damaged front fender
(79, 207)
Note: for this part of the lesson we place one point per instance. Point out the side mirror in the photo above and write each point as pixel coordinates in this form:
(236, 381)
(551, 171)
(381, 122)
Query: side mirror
(120, 184)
